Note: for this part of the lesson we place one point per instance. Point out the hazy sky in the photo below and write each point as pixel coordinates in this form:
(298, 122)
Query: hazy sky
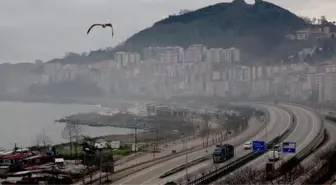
(44, 29)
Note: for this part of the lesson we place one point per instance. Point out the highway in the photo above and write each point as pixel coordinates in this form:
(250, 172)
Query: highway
(331, 130)
(279, 121)
(311, 161)
(275, 127)
(305, 131)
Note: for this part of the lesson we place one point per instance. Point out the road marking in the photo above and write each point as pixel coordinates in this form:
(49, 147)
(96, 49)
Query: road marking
(261, 157)
(297, 113)
(148, 170)
(152, 168)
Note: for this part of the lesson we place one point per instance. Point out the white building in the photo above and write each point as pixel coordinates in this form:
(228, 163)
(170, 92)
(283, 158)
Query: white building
(134, 57)
(124, 58)
(330, 87)
(171, 55)
(52, 69)
(320, 84)
(261, 88)
(231, 55)
(195, 53)
(214, 55)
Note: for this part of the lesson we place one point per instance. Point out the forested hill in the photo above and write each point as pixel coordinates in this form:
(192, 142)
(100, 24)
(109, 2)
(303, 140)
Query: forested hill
(258, 29)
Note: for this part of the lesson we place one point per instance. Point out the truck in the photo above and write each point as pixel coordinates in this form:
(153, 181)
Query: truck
(273, 155)
(223, 153)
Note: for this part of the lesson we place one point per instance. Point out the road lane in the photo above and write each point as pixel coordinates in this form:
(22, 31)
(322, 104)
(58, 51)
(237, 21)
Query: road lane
(151, 175)
(331, 130)
(306, 130)
(277, 116)
(303, 134)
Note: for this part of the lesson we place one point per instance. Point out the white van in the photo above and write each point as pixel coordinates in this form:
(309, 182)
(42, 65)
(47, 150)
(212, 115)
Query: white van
(273, 155)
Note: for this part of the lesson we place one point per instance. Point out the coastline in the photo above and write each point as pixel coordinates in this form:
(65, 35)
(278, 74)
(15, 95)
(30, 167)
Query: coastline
(37, 117)
(102, 102)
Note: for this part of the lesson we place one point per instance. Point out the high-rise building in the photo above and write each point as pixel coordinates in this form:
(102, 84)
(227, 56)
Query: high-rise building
(231, 55)
(172, 54)
(123, 58)
(320, 84)
(195, 53)
(214, 55)
(330, 87)
(169, 54)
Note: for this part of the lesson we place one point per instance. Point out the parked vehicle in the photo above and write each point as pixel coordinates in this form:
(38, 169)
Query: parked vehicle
(223, 153)
(37, 161)
(11, 162)
(36, 177)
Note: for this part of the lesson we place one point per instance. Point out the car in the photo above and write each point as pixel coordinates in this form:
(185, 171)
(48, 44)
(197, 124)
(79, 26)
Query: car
(247, 146)
(273, 155)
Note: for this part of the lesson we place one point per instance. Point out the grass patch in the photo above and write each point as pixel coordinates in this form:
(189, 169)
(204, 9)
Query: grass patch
(122, 151)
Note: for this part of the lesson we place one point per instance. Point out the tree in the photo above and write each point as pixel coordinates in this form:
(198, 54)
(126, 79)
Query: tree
(71, 131)
(307, 19)
(323, 20)
(246, 175)
(206, 128)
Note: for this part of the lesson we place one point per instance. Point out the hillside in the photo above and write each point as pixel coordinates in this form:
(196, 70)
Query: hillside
(258, 29)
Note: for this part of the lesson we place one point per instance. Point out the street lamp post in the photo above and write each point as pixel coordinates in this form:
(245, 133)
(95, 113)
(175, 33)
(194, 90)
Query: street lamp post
(186, 158)
(136, 136)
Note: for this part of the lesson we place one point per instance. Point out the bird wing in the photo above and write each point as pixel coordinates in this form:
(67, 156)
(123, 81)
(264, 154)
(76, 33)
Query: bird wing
(110, 25)
(93, 25)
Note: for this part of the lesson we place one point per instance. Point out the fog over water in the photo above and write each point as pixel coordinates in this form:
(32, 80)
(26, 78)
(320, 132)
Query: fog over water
(22, 122)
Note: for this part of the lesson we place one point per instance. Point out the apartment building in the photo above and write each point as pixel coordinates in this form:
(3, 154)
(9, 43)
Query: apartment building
(231, 55)
(124, 58)
(330, 86)
(169, 54)
(214, 55)
(320, 86)
(261, 87)
(195, 53)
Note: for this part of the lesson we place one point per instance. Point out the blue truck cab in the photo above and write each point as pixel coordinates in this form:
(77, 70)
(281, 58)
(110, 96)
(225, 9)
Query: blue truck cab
(223, 153)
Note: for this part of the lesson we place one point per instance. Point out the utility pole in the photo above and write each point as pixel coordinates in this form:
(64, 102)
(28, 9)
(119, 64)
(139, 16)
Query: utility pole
(100, 167)
(70, 138)
(273, 161)
(155, 142)
(186, 165)
(44, 135)
(266, 144)
(136, 136)
(76, 135)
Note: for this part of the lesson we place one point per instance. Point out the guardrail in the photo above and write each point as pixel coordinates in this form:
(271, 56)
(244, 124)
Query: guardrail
(146, 164)
(311, 146)
(196, 174)
(143, 165)
(220, 172)
(316, 172)
(184, 166)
